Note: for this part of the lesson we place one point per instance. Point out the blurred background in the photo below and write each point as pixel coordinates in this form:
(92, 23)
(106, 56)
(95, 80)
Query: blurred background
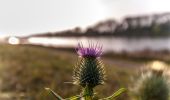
(38, 40)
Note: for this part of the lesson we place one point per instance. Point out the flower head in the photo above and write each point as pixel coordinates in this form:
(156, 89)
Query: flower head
(90, 51)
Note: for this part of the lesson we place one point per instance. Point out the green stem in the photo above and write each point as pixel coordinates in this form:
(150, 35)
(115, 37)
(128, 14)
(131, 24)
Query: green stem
(88, 93)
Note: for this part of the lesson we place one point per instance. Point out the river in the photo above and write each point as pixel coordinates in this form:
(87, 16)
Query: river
(116, 44)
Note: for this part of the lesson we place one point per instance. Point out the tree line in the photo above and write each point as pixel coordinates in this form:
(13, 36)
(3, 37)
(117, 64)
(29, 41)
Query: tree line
(143, 25)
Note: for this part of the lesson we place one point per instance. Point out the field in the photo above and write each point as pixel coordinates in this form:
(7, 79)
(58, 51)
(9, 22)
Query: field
(26, 70)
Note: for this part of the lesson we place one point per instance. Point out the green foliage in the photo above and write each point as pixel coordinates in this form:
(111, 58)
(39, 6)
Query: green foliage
(87, 96)
(152, 86)
(115, 94)
(58, 97)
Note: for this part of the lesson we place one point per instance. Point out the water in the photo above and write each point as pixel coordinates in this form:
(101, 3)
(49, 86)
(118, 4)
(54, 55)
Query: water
(116, 44)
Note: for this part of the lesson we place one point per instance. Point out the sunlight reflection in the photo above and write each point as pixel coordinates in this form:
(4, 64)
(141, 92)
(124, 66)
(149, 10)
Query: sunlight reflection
(13, 40)
(60, 42)
(158, 65)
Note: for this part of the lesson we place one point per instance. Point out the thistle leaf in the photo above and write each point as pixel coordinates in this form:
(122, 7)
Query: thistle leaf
(77, 97)
(54, 94)
(115, 94)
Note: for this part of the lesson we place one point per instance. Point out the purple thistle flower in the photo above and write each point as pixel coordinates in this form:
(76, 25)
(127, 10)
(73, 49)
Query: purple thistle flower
(90, 51)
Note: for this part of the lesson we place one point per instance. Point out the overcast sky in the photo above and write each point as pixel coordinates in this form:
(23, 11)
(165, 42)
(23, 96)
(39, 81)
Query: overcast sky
(23, 17)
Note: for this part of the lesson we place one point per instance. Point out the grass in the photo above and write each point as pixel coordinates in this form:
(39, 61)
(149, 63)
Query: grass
(26, 70)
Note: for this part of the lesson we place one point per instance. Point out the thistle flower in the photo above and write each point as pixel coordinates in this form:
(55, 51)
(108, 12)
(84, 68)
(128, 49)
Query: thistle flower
(88, 73)
(91, 51)
(89, 70)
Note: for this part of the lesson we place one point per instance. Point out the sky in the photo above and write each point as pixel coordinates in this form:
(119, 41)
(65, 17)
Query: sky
(24, 17)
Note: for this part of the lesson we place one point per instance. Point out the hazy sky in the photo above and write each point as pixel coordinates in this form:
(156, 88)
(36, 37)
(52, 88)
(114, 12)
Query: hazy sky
(24, 17)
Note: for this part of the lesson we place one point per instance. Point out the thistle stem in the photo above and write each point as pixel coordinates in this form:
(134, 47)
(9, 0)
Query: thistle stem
(88, 93)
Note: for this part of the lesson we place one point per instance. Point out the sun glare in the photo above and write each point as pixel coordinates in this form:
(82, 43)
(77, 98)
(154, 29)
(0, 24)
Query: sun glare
(158, 65)
(13, 40)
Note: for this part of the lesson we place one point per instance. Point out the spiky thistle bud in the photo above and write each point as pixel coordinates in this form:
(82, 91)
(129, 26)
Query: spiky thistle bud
(89, 70)
(88, 73)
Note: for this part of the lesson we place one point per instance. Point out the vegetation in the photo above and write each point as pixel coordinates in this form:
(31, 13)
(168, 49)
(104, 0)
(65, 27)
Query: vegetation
(131, 26)
(152, 85)
(26, 70)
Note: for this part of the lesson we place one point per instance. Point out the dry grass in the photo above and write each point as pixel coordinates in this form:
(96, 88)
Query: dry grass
(29, 69)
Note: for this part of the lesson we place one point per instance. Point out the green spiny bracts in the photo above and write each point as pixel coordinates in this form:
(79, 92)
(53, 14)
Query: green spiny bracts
(89, 71)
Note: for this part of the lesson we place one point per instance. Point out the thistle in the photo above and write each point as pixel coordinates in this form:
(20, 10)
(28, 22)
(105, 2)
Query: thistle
(88, 73)
(89, 70)
(152, 85)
